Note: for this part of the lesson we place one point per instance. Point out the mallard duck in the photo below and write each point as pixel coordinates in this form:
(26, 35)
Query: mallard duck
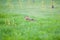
(28, 18)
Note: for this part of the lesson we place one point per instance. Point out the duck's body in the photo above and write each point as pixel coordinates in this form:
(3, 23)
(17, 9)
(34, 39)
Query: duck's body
(28, 18)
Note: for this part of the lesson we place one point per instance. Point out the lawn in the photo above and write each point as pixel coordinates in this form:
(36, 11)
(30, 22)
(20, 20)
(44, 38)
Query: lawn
(46, 24)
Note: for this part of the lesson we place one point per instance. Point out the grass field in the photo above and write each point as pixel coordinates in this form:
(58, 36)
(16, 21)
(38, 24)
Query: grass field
(46, 26)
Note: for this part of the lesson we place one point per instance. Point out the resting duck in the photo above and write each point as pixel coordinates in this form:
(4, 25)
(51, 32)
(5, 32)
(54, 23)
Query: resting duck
(28, 18)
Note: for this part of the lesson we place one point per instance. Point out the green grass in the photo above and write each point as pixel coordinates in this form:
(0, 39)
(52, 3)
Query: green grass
(41, 29)
(45, 27)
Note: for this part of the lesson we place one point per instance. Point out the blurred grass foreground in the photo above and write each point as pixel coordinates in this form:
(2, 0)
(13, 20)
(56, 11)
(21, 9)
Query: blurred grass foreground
(14, 26)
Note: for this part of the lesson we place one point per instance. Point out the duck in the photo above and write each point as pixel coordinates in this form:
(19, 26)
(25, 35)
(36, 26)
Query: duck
(29, 18)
